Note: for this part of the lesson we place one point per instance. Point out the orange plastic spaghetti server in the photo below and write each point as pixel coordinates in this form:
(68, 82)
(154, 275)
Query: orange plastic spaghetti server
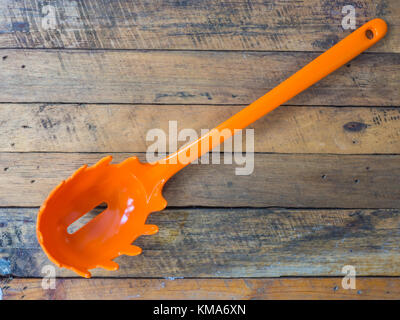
(132, 190)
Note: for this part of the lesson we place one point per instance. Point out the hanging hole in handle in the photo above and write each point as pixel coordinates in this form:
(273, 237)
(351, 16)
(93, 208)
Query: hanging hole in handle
(369, 34)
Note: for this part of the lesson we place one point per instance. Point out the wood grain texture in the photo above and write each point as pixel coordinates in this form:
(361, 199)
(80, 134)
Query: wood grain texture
(305, 25)
(179, 77)
(112, 70)
(198, 289)
(92, 128)
(215, 243)
(333, 181)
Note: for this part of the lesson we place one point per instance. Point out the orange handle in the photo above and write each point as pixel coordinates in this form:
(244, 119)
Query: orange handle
(341, 53)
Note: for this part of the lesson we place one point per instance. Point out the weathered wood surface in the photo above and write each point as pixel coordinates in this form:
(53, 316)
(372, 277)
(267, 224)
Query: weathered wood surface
(186, 77)
(237, 242)
(197, 63)
(193, 289)
(279, 180)
(305, 25)
(92, 128)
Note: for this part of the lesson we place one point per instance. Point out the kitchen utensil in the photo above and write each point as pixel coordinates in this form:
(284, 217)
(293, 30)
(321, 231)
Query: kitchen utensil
(132, 190)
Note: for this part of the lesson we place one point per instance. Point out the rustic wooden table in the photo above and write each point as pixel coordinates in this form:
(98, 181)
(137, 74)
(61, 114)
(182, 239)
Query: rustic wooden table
(82, 79)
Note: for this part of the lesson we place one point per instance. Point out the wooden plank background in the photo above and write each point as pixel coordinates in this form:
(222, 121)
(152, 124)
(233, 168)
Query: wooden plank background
(289, 129)
(225, 289)
(278, 180)
(254, 243)
(188, 77)
(325, 191)
(303, 25)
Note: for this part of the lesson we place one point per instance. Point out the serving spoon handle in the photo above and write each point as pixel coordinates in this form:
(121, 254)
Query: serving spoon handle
(340, 54)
